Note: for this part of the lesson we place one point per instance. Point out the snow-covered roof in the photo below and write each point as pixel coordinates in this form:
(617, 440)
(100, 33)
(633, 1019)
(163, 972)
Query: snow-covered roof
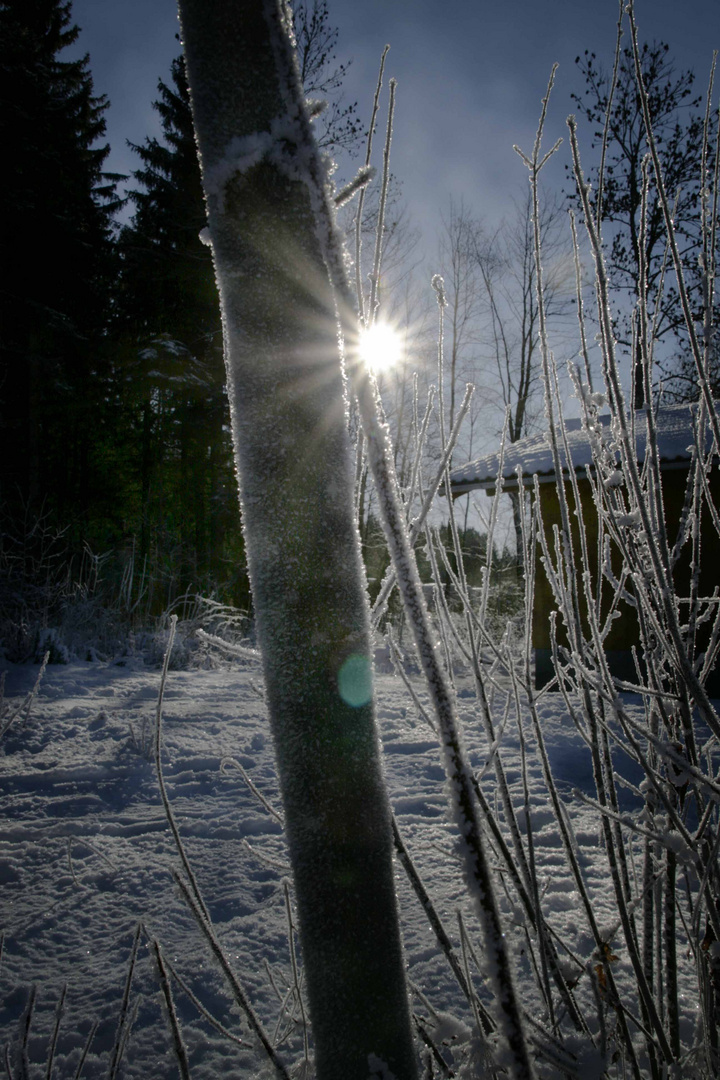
(534, 455)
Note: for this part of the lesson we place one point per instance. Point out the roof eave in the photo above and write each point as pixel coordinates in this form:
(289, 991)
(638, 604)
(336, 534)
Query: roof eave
(510, 483)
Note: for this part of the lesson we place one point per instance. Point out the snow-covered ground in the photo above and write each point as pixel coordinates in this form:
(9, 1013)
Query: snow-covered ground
(85, 852)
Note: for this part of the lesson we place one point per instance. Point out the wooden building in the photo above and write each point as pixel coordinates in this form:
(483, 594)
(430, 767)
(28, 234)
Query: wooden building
(533, 456)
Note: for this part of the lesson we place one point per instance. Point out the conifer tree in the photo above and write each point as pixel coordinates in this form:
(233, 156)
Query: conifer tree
(56, 243)
(185, 514)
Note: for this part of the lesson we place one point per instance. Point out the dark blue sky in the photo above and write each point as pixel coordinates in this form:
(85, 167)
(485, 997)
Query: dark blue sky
(471, 76)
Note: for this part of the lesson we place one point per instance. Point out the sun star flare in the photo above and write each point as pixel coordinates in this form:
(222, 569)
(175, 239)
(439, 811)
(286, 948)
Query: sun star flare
(380, 347)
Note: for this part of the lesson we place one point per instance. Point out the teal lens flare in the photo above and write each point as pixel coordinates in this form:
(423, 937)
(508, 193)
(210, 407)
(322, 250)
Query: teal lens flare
(355, 681)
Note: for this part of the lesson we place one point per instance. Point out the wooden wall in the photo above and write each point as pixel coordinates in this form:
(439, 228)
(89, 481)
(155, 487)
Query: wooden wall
(624, 633)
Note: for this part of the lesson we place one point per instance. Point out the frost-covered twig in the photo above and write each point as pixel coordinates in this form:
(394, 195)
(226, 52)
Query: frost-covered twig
(25, 708)
(86, 1049)
(400, 670)
(482, 1020)
(232, 763)
(485, 1023)
(398, 540)
(458, 772)
(22, 1060)
(418, 523)
(359, 182)
(238, 993)
(608, 114)
(169, 814)
(123, 1026)
(267, 860)
(191, 891)
(228, 646)
(212, 1020)
(665, 592)
(434, 1054)
(380, 230)
(361, 203)
(55, 1033)
(171, 1012)
(296, 976)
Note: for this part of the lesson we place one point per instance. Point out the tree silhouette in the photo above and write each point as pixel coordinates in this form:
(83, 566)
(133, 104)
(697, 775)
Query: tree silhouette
(176, 411)
(678, 128)
(56, 243)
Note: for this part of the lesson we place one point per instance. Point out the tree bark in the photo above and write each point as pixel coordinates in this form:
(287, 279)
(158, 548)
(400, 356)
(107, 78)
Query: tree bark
(293, 459)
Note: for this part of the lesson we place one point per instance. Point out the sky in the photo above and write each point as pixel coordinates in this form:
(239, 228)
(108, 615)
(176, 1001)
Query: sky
(471, 77)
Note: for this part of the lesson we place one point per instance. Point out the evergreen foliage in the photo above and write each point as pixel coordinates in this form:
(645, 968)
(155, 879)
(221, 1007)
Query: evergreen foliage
(182, 499)
(56, 243)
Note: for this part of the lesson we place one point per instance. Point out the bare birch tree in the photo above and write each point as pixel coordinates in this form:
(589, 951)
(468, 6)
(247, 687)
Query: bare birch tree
(492, 318)
(505, 268)
(292, 453)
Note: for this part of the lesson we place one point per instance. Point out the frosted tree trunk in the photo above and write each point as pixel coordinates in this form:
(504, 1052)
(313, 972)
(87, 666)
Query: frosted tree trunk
(292, 453)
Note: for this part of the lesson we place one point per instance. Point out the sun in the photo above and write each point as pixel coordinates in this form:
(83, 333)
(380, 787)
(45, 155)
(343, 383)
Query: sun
(380, 347)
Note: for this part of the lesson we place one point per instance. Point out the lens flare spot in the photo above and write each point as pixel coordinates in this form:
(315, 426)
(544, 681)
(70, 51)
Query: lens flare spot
(380, 347)
(355, 681)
